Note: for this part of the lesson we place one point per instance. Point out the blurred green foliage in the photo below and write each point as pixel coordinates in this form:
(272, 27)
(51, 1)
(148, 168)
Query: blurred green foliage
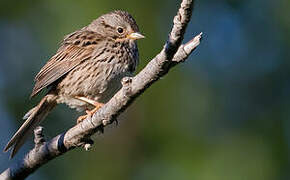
(222, 115)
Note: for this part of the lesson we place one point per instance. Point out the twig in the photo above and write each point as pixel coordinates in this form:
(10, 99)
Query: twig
(172, 54)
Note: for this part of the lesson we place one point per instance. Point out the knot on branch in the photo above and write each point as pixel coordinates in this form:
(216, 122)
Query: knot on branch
(106, 121)
(126, 83)
(38, 137)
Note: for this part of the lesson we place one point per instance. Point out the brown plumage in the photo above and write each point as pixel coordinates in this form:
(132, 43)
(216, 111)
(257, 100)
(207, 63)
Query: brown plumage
(86, 70)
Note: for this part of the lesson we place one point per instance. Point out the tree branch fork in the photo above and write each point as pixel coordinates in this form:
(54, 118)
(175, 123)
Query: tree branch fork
(172, 54)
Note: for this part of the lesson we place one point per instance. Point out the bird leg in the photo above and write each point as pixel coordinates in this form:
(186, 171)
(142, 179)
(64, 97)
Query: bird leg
(91, 112)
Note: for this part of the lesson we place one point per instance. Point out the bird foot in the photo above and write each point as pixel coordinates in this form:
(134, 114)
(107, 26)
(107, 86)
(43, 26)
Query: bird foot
(81, 118)
(90, 113)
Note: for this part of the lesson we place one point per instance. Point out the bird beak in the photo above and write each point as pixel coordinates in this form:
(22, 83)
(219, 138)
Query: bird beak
(135, 36)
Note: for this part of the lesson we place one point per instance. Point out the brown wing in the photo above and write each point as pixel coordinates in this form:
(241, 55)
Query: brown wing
(76, 48)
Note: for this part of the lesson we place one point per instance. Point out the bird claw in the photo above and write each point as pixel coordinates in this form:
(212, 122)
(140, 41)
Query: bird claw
(89, 113)
(82, 118)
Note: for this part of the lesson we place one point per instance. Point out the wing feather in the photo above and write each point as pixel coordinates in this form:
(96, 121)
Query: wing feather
(69, 55)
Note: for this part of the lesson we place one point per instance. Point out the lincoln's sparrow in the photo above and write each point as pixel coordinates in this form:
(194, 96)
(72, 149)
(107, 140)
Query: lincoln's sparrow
(86, 71)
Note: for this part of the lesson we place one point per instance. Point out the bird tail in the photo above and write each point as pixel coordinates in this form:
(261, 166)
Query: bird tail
(33, 119)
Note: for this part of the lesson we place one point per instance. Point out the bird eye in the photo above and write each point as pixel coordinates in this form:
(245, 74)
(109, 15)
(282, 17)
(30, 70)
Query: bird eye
(120, 30)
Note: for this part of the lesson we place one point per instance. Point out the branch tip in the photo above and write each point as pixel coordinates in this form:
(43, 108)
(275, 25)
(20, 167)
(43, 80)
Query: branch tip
(106, 122)
(192, 44)
(126, 81)
(87, 147)
(88, 144)
(38, 136)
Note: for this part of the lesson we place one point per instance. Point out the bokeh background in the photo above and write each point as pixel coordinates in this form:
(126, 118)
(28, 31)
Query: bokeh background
(222, 115)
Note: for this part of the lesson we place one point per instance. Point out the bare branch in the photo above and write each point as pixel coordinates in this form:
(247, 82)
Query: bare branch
(79, 135)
